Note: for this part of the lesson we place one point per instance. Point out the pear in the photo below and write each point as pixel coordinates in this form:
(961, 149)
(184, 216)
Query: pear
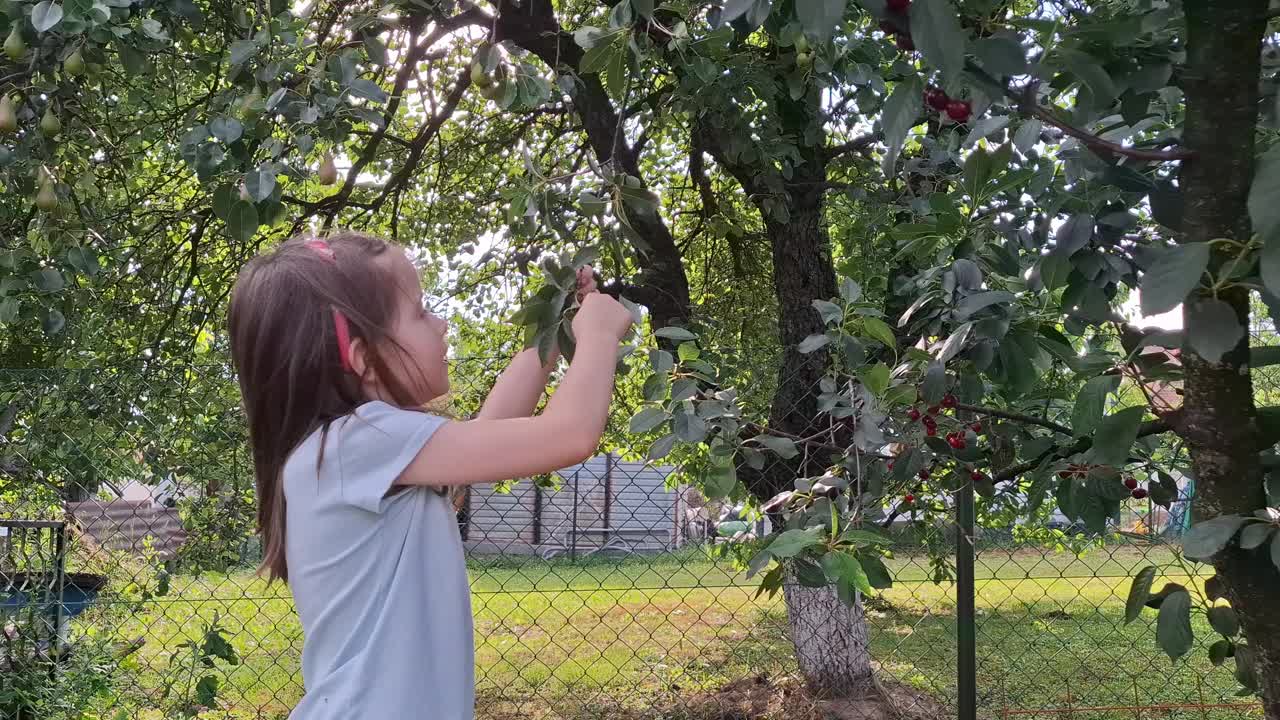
(328, 171)
(8, 118)
(74, 63)
(50, 124)
(14, 46)
(47, 199)
(479, 77)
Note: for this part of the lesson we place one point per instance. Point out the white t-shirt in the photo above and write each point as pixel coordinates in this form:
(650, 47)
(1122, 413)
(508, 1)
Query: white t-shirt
(379, 580)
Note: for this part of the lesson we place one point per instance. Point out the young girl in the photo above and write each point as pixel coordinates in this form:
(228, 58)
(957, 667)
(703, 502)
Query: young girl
(336, 358)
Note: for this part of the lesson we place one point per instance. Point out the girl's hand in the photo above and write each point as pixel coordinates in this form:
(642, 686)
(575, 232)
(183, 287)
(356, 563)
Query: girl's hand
(601, 314)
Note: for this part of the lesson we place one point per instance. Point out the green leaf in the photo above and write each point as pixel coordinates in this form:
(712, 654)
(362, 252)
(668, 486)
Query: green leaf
(240, 51)
(368, 89)
(1212, 328)
(1091, 403)
(1255, 534)
(243, 220)
(829, 311)
(260, 182)
(1269, 262)
(843, 568)
(83, 259)
(1246, 673)
(785, 448)
(813, 343)
(901, 112)
(1219, 652)
(1139, 593)
(720, 480)
(226, 129)
(661, 361)
(684, 389)
(792, 543)
(978, 301)
(662, 447)
(46, 15)
(1027, 135)
(876, 378)
(9, 308)
(936, 30)
(207, 691)
(1206, 539)
(819, 18)
(1054, 270)
(1223, 620)
(1073, 234)
(1264, 211)
(850, 290)
(688, 352)
(1174, 274)
(1115, 435)
(1089, 72)
(647, 419)
(616, 73)
(934, 386)
(643, 7)
(1173, 626)
(879, 330)
(675, 332)
(689, 427)
(954, 343)
(48, 280)
(1002, 56)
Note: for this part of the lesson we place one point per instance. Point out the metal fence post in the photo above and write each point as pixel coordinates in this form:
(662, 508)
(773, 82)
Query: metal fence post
(966, 617)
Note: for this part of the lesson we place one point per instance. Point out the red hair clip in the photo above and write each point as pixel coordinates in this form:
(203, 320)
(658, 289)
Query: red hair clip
(340, 326)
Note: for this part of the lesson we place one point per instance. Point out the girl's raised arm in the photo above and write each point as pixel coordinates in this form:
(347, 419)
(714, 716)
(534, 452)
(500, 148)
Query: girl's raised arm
(567, 432)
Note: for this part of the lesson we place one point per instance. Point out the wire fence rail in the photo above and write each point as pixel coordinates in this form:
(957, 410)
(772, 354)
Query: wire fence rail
(598, 591)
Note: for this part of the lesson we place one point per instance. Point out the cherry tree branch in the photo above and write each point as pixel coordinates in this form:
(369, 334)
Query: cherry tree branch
(1016, 417)
(1151, 427)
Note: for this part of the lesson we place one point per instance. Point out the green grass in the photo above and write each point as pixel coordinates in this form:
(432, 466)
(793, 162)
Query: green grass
(559, 639)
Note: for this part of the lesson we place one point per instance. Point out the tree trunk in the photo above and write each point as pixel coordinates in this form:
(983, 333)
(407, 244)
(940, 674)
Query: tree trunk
(831, 642)
(1218, 418)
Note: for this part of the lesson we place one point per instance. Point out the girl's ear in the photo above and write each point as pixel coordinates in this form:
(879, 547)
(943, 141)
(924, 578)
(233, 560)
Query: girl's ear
(358, 357)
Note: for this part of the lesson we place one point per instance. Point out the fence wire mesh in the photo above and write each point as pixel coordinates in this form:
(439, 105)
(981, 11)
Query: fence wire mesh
(600, 590)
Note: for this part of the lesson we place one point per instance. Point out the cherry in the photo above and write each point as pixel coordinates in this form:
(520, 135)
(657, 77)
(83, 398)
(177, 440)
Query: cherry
(924, 474)
(898, 6)
(906, 44)
(933, 409)
(909, 498)
(930, 430)
(1139, 494)
(936, 99)
(976, 427)
(949, 401)
(959, 110)
(1131, 483)
(914, 414)
(977, 476)
(889, 465)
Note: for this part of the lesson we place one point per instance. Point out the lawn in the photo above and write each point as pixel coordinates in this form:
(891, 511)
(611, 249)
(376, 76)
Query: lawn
(578, 640)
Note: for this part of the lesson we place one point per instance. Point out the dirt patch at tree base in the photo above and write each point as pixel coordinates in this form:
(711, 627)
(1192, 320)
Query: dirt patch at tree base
(763, 698)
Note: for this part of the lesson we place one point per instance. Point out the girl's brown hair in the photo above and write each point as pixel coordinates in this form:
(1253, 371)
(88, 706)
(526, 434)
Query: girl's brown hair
(285, 347)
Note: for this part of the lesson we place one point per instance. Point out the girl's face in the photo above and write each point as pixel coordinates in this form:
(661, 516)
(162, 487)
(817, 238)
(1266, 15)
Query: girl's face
(419, 363)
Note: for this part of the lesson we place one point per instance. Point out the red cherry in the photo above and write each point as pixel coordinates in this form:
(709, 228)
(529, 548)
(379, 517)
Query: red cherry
(914, 414)
(959, 110)
(936, 98)
(924, 474)
(930, 430)
(933, 409)
(976, 427)
(1131, 483)
(909, 498)
(898, 6)
(889, 465)
(1139, 494)
(905, 43)
(949, 401)
(977, 476)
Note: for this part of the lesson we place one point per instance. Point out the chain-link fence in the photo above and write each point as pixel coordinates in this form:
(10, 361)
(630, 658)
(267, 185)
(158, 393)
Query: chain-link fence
(600, 590)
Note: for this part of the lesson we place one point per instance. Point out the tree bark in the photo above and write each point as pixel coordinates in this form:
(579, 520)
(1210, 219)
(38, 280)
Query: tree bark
(1224, 44)
(831, 642)
(663, 286)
